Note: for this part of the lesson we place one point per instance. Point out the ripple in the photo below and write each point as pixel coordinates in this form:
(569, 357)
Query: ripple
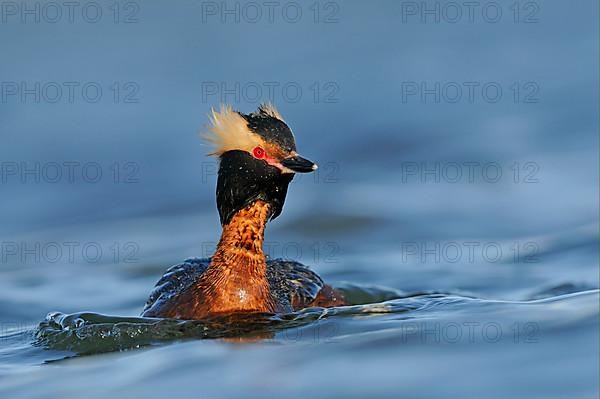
(92, 333)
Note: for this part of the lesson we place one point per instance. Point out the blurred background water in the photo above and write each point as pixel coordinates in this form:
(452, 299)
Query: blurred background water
(458, 148)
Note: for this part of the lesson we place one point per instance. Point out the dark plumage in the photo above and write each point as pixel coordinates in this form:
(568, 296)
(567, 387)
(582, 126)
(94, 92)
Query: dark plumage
(292, 284)
(271, 129)
(242, 181)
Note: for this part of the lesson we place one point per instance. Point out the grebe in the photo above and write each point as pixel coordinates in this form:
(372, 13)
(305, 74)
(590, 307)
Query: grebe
(258, 160)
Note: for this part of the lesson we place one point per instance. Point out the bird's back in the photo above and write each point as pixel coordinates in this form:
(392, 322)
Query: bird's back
(292, 284)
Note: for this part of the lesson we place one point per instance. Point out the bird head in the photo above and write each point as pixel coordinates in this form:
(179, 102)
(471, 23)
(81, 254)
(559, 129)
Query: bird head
(258, 159)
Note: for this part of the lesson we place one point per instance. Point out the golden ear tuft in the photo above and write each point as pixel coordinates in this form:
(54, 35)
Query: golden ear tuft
(228, 131)
(270, 110)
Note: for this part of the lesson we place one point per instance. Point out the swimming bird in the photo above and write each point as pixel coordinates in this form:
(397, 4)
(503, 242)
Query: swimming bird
(257, 161)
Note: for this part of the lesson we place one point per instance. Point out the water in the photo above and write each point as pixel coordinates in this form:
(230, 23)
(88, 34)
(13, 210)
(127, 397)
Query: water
(469, 287)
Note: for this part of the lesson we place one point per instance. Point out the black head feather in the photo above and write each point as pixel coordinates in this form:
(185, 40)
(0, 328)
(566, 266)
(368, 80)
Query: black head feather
(244, 179)
(271, 129)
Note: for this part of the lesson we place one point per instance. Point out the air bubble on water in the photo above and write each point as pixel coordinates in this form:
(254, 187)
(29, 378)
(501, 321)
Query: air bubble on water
(82, 333)
(376, 308)
(52, 316)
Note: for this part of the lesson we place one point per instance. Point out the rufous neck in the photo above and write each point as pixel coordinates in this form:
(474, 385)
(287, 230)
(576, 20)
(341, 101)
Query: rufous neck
(236, 279)
(243, 235)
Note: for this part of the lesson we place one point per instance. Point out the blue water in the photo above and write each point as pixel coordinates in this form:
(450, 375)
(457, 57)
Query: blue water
(464, 230)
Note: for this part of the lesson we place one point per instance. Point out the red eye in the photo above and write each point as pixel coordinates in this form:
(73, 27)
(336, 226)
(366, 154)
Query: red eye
(258, 153)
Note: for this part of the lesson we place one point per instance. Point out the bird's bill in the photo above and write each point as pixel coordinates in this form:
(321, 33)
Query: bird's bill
(297, 164)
